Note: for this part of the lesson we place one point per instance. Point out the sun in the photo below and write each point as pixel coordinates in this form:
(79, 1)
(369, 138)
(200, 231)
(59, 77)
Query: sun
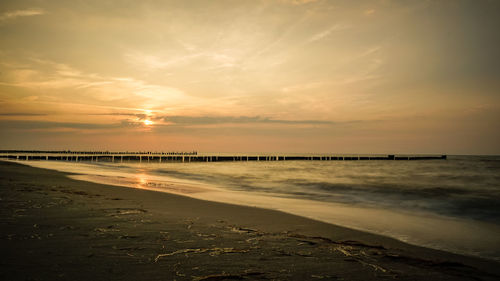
(148, 122)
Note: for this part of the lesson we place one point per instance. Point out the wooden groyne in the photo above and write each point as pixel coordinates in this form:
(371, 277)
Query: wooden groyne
(159, 157)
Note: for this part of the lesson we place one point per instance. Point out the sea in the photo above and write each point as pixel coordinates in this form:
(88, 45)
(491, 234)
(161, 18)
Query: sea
(451, 205)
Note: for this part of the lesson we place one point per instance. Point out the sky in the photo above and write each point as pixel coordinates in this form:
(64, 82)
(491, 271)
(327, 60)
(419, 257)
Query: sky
(381, 76)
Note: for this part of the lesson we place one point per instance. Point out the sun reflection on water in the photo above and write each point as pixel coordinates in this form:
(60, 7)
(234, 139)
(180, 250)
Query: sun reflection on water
(142, 181)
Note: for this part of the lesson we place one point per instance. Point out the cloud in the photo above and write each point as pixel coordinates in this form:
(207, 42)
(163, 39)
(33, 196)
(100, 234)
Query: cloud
(304, 86)
(130, 119)
(22, 114)
(209, 120)
(297, 2)
(369, 12)
(21, 13)
(137, 122)
(327, 32)
(56, 78)
(38, 125)
(154, 63)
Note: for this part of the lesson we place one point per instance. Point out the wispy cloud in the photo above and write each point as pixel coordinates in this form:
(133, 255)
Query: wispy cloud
(154, 62)
(276, 41)
(208, 120)
(10, 15)
(298, 2)
(184, 120)
(21, 114)
(327, 32)
(40, 125)
(57, 77)
(160, 122)
(304, 86)
(369, 12)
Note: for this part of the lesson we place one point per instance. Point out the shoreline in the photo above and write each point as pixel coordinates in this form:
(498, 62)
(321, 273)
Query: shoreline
(389, 223)
(428, 230)
(173, 236)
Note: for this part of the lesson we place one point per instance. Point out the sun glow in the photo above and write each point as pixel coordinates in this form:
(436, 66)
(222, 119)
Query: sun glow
(148, 122)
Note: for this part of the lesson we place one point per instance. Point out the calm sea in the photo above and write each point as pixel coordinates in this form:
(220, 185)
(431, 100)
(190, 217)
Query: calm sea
(452, 204)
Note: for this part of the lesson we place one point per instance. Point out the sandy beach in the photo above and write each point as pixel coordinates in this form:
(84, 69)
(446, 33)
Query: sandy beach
(57, 228)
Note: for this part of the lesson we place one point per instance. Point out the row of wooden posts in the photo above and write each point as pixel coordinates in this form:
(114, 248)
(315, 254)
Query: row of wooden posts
(201, 158)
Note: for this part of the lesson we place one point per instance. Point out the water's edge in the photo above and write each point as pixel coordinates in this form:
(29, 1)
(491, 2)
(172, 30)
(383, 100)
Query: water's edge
(461, 236)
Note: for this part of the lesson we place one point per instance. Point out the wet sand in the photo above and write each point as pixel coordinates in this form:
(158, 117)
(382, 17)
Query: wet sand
(57, 228)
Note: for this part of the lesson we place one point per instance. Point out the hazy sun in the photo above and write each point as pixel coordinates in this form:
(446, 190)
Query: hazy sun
(148, 122)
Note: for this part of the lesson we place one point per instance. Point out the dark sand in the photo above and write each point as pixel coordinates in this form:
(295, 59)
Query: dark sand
(56, 228)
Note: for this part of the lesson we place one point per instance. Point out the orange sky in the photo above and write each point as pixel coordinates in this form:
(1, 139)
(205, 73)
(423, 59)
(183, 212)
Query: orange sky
(381, 76)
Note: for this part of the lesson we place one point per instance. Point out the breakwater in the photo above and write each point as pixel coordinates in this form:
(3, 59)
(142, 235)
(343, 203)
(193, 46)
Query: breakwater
(106, 156)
